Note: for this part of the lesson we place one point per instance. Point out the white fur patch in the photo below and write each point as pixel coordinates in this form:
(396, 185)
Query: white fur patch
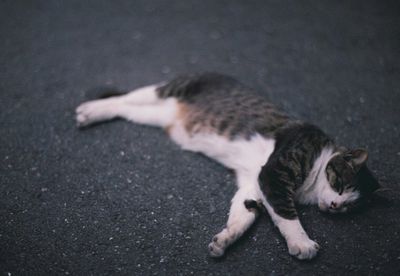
(316, 181)
(244, 156)
(141, 96)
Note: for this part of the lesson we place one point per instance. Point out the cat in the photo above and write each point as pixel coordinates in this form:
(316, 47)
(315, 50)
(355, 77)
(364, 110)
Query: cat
(278, 161)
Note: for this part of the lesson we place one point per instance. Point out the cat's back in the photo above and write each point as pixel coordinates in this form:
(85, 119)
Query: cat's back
(195, 88)
(218, 103)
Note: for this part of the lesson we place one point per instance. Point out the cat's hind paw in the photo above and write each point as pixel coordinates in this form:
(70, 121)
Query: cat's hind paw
(304, 249)
(93, 111)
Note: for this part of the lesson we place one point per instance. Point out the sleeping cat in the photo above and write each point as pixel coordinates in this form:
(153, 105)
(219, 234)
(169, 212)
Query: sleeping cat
(278, 161)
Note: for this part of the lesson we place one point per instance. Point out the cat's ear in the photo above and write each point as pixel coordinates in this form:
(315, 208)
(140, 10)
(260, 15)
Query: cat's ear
(356, 158)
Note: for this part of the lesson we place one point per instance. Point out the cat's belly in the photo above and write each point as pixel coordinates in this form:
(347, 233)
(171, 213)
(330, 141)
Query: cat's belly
(237, 154)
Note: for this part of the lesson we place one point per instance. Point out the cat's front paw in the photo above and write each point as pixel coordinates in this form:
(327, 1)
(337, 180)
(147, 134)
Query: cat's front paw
(218, 245)
(303, 249)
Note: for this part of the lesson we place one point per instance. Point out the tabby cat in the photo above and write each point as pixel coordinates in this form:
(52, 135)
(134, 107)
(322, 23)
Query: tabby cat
(278, 161)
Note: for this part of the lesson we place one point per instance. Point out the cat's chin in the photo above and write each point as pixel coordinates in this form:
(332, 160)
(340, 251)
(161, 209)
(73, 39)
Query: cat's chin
(323, 207)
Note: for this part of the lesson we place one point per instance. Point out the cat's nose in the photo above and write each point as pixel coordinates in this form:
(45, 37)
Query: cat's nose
(333, 205)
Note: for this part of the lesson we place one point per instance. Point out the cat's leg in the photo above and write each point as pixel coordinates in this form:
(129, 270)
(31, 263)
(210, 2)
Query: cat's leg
(106, 109)
(278, 180)
(162, 113)
(298, 242)
(144, 95)
(240, 218)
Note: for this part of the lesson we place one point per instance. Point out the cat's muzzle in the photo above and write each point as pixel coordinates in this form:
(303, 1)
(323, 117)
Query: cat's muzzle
(333, 207)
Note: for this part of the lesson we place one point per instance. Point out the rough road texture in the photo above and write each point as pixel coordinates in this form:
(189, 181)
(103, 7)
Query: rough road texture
(121, 198)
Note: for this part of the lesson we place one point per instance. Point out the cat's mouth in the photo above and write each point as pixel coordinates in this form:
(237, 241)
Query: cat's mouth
(324, 207)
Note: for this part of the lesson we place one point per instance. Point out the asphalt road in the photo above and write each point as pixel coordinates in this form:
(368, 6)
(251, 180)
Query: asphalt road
(121, 198)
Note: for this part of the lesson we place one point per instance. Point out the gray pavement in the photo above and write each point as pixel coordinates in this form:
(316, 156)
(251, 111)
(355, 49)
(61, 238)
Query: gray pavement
(121, 198)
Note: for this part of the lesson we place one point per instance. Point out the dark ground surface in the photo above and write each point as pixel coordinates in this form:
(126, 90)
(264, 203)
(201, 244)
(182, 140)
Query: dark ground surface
(121, 198)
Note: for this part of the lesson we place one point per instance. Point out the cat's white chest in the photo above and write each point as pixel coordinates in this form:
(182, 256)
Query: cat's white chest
(238, 154)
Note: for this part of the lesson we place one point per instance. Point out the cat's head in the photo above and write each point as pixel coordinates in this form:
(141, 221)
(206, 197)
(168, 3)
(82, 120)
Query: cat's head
(349, 182)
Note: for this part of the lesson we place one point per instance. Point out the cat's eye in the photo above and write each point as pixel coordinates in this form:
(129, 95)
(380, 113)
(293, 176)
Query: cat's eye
(351, 187)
